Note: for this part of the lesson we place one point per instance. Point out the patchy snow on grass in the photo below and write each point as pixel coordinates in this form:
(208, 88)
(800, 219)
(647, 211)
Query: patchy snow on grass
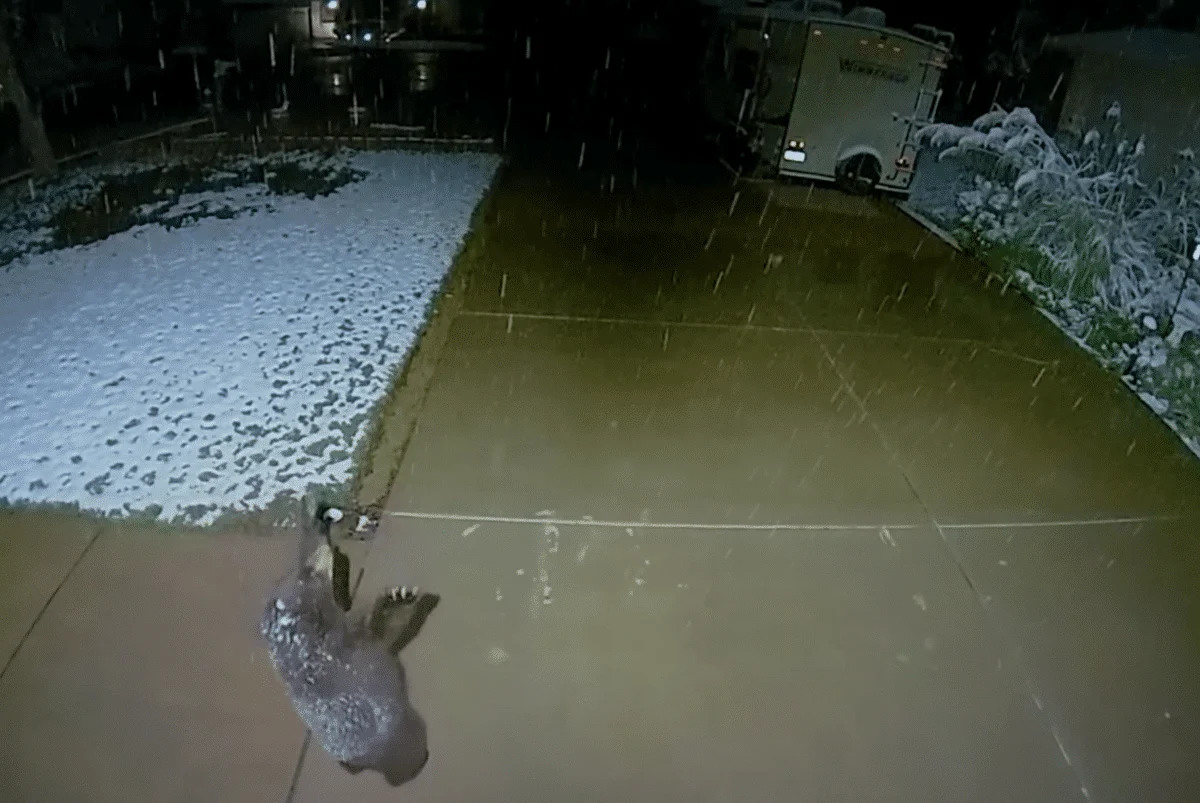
(233, 357)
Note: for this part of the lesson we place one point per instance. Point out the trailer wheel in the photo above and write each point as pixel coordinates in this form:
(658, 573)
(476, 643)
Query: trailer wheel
(858, 174)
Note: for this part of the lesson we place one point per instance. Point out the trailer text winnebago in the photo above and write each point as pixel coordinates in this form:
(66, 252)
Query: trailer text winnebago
(803, 91)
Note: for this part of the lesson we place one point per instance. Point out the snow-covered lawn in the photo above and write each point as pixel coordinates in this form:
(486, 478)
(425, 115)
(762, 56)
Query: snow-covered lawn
(230, 356)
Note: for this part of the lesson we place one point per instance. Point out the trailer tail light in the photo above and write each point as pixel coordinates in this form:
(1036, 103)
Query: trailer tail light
(795, 151)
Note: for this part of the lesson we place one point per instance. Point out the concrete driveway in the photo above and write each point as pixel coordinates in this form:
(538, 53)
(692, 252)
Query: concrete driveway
(727, 500)
(131, 668)
(782, 504)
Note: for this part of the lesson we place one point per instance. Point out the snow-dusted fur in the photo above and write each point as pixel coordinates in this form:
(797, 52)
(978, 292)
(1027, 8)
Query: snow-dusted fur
(344, 677)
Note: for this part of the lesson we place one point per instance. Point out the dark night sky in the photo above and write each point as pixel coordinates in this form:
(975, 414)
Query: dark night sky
(999, 41)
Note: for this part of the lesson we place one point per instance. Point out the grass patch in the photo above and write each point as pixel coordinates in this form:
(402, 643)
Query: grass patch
(86, 208)
(111, 202)
(282, 512)
(1109, 333)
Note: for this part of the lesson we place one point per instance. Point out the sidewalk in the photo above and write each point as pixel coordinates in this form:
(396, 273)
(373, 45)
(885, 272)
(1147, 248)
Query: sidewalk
(707, 524)
(143, 678)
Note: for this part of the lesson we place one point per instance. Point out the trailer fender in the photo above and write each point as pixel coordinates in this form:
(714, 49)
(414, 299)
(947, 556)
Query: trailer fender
(859, 169)
(860, 149)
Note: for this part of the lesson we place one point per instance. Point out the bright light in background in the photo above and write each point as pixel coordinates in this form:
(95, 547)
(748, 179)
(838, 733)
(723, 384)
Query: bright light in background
(421, 4)
(367, 36)
(331, 5)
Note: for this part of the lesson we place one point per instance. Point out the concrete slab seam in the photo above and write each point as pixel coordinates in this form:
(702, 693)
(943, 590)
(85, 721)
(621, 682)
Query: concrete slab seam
(46, 606)
(476, 518)
(741, 327)
(1015, 657)
(1013, 525)
(635, 525)
(954, 555)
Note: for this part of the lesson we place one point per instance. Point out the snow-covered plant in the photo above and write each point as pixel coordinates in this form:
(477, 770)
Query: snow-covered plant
(1115, 259)
(1177, 240)
(1086, 210)
(1020, 151)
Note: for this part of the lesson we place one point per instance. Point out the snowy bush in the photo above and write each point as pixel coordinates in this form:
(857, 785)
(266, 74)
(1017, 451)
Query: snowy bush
(1111, 256)
(1178, 379)
(1085, 210)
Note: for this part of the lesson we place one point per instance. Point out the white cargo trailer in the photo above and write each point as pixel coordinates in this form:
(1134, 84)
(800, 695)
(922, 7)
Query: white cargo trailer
(808, 92)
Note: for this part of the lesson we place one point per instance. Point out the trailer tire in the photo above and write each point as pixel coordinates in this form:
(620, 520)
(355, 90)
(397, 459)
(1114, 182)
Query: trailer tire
(858, 174)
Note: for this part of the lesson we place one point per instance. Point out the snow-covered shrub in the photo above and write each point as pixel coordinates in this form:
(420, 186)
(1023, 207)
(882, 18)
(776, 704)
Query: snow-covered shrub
(1114, 258)
(1087, 211)
(1178, 379)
